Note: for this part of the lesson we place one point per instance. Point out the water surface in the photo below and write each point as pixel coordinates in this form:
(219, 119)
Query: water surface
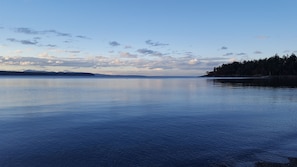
(143, 122)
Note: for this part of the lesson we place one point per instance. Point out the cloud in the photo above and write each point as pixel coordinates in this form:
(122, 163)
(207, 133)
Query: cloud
(151, 43)
(187, 65)
(18, 51)
(114, 43)
(12, 40)
(72, 51)
(82, 37)
(128, 47)
(37, 38)
(149, 52)
(241, 54)
(186, 54)
(193, 61)
(57, 33)
(26, 63)
(30, 31)
(28, 42)
(45, 60)
(45, 55)
(51, 45)
(224, 48)
(127, 55)
(145, 51)
(257, 52)
(24, 42)
(228, 54)
(27, 31)
(19, 61)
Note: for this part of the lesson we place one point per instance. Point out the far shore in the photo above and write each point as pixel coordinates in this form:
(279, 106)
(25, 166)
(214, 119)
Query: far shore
(80, 74)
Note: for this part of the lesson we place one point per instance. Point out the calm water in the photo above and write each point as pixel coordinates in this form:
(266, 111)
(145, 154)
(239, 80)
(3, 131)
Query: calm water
(143, 122)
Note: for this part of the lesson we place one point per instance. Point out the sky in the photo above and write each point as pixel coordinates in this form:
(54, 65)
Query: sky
(143, 37)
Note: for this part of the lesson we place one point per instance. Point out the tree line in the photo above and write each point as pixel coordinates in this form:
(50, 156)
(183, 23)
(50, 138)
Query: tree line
(273, 66)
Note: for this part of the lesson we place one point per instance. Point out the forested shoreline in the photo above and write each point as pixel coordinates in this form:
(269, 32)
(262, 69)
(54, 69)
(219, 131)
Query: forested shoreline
(273, 66)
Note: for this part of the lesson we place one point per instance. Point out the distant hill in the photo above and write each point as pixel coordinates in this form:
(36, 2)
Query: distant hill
(43, 73)
(273, 66)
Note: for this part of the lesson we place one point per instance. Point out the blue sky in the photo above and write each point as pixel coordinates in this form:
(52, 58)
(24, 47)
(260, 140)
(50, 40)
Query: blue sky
(147, 37)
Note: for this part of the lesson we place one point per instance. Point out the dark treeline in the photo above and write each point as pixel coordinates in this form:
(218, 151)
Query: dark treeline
(273, 66)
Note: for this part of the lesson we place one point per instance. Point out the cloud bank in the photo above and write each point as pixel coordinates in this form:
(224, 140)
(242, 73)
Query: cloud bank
(124, 60)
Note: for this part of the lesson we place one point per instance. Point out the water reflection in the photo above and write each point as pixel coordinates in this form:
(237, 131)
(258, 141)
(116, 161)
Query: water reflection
(274, 92)
(275, 82)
